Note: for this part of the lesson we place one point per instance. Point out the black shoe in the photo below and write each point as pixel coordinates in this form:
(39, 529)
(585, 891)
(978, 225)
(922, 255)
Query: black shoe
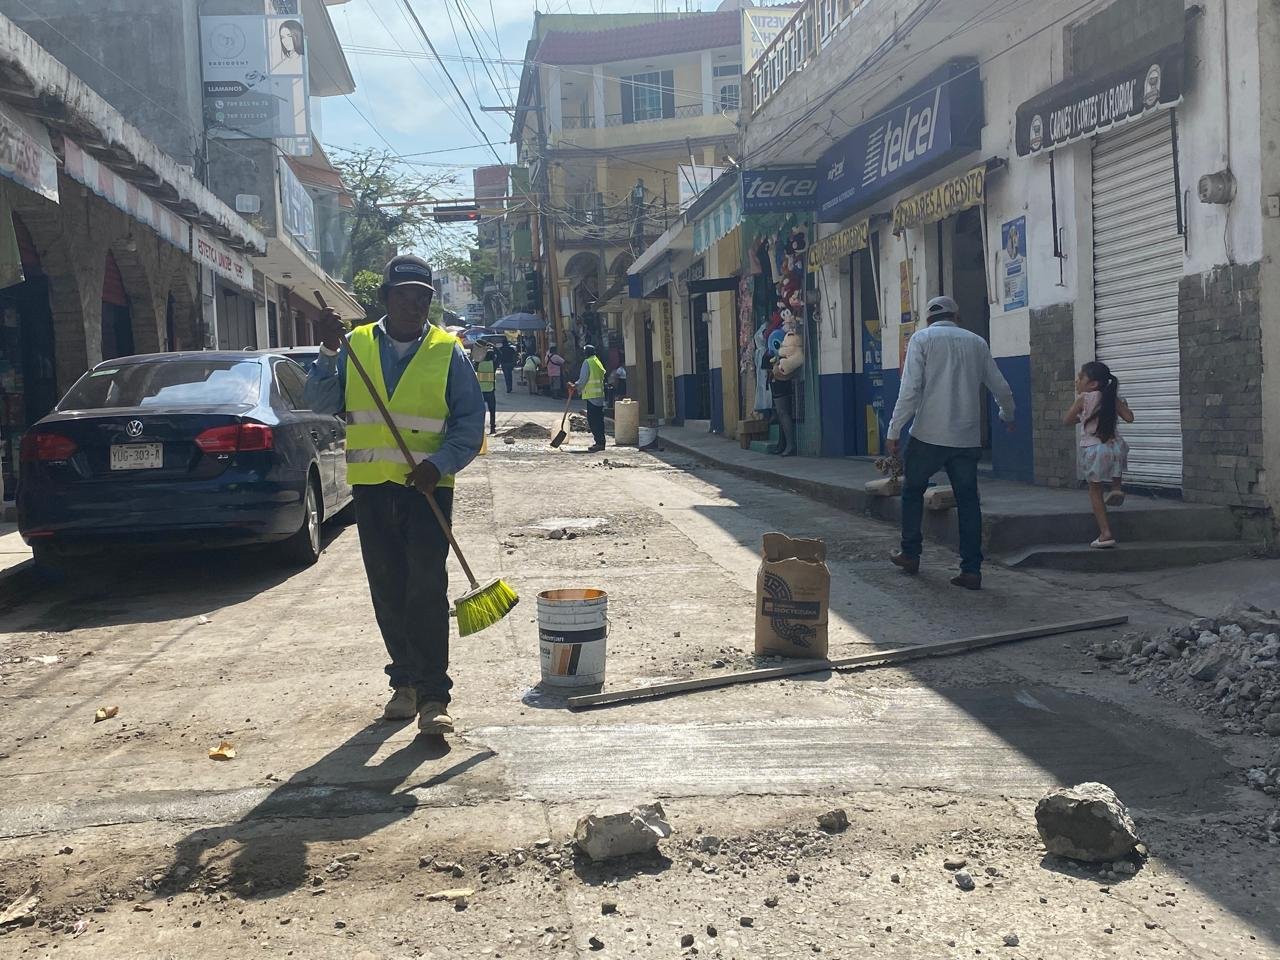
(596, 449)
(908, 565)
(493, 431)
(970, 581)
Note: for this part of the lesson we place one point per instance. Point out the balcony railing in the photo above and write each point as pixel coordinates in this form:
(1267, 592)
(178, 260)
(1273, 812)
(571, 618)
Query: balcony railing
(811, 28)
(580, 122)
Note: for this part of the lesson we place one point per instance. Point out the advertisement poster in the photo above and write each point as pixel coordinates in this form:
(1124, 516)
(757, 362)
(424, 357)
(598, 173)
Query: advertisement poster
(1013, 240)
(254, 72)
(905, 281)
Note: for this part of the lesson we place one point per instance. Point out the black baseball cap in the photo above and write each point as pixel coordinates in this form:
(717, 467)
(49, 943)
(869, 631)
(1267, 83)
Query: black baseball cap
(407, 268)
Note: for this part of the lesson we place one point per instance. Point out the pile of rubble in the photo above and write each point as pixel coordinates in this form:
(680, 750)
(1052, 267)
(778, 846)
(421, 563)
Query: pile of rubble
(1228, 667)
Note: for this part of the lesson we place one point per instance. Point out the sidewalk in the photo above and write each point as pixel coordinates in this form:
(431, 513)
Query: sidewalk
(1023, 525)
(13, 552)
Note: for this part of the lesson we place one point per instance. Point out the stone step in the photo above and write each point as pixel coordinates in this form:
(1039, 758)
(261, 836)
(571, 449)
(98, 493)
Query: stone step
(1137, 555)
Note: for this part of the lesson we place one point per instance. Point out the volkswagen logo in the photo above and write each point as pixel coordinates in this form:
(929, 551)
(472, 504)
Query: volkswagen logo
(133, 428)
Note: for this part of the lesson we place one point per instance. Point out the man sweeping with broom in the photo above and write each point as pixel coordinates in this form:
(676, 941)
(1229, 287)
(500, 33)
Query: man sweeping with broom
(406, 370)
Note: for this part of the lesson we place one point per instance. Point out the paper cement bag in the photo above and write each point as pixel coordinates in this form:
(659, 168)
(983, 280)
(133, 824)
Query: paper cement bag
(793, 592)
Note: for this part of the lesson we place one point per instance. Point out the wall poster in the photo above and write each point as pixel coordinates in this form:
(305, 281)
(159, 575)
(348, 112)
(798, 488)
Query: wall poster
(1013, 273)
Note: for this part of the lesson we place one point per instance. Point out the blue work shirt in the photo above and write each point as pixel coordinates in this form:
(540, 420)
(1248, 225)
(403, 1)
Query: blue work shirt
(584, 374)
(326, 392)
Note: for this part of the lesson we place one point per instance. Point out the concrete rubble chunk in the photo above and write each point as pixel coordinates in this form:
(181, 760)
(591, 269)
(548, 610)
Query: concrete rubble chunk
(1086, 822)
(1209, 664)
(610, 835)
(834, 821)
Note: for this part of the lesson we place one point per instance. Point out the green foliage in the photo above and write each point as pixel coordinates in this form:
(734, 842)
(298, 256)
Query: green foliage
(392, 209)
(366, 284)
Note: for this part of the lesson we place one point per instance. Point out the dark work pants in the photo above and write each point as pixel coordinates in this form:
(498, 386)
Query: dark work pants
(595, 420)
(404, 559)
(921, 461)
(491, 401)
(506, 373)
(784, 411)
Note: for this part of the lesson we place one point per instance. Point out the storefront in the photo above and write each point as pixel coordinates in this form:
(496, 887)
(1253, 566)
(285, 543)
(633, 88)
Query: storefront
(1138, 236)
(881, 249)
(715, 219)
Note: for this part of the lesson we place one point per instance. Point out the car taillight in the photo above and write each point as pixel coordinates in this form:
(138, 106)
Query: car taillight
(236, 438)
(47, 446)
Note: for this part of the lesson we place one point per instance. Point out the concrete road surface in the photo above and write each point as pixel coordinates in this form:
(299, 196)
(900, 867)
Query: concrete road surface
(330, 832)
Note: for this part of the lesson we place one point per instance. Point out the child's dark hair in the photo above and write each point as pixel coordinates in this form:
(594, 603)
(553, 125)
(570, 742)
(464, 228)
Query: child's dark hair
(1109, 386)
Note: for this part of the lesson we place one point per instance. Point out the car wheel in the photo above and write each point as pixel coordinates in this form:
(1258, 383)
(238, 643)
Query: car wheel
(50, 564)
(303, 548)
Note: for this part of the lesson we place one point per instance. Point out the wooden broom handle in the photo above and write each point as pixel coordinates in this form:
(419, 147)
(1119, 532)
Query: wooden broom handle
(408, 456)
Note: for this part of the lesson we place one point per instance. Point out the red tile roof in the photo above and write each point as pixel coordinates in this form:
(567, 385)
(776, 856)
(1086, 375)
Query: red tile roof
(695, 32)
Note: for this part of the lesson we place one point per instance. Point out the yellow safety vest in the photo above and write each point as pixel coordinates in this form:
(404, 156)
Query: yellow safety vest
(418, 408)
(594, 389)
(486, 375)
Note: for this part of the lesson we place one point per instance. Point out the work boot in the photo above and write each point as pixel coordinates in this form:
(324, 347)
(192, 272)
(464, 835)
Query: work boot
(909, 565)
(433, 718)
(970, 581)
(403, 705)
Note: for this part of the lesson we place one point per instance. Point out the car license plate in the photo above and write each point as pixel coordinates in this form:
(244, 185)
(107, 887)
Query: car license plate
(137, 456)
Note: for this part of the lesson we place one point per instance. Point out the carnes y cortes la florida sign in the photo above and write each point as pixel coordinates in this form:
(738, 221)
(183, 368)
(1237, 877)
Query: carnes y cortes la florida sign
(1081, 108)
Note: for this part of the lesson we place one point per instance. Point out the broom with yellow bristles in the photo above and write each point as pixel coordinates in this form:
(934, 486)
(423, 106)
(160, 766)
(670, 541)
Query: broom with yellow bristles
(481, 606)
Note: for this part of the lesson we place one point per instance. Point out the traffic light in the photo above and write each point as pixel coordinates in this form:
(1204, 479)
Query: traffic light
(532, 291)
(457, 213)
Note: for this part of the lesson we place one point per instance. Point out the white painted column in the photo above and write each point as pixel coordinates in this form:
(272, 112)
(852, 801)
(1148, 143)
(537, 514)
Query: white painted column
(708, 85)
(554, 119)
(597, 95)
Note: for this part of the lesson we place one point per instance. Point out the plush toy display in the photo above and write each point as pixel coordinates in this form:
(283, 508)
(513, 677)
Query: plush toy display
(790, 351)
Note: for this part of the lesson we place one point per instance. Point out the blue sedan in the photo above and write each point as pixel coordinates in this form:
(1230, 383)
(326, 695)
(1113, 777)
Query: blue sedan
(183, 449)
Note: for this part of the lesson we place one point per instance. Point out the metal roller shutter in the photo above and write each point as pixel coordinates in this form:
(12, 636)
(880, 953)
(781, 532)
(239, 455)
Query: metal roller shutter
(1137, 267)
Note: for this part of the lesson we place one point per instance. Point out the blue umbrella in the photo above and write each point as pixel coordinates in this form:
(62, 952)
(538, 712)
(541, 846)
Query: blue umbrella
(520, 321)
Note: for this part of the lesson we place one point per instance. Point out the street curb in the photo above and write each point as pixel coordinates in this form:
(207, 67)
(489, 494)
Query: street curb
(938, 528)
(19, 582)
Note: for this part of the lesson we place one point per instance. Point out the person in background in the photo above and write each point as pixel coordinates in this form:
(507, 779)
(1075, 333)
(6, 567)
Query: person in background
(783, 392)
(618, 382)
(945, 370)
(487, 374)
(555, 370)
(590, 387)
(421, 374)
(507, 360)
(1103, 454)
(530, 372)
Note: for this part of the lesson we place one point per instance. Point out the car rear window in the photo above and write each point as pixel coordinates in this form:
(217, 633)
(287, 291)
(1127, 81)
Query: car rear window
(170, 383)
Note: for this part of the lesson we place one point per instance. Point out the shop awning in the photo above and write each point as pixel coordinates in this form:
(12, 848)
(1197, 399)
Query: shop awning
(676, 237)
(288, 265)
(37, 83)
(113, 188)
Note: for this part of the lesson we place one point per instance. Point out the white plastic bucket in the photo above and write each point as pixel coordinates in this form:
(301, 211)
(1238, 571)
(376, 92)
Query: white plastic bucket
(647, 436)
(626, 423)
(572, 629)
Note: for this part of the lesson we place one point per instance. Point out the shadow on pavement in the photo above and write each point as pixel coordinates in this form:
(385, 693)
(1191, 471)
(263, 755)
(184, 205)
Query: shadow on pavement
(264, 853)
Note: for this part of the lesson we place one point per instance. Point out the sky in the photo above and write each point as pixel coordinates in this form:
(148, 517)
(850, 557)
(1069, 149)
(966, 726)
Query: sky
(406, 104)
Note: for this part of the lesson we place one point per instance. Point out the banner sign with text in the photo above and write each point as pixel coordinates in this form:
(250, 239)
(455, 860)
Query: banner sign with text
(840, 244)
(208, 252)
(904, 143)
(26, 155)
(945, 200)
(1079, 109)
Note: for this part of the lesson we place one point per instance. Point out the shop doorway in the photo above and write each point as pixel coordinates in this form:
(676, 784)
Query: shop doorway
(117, 318)
(699, 405)
(650, 370)
(969, 288)
(868, 360)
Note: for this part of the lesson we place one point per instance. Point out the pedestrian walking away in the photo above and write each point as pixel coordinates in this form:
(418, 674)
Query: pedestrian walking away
(530, 373)
(507, 358)
(783, 392)
(618, 382)
(487, 375)
(1103, 454)
(945, 370)
(555, 370)
(591, 386)
(421, 374)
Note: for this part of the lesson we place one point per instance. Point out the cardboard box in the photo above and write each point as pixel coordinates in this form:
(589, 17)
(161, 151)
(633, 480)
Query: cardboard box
(793, 594)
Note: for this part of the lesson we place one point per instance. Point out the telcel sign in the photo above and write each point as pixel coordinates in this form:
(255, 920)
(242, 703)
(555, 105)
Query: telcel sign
(939, 121)
(784, 190)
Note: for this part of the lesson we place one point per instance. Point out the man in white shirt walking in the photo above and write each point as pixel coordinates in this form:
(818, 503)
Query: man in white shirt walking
(945, 369)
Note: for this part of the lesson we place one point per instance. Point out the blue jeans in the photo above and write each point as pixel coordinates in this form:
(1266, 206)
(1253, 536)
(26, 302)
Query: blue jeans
(920, 462)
